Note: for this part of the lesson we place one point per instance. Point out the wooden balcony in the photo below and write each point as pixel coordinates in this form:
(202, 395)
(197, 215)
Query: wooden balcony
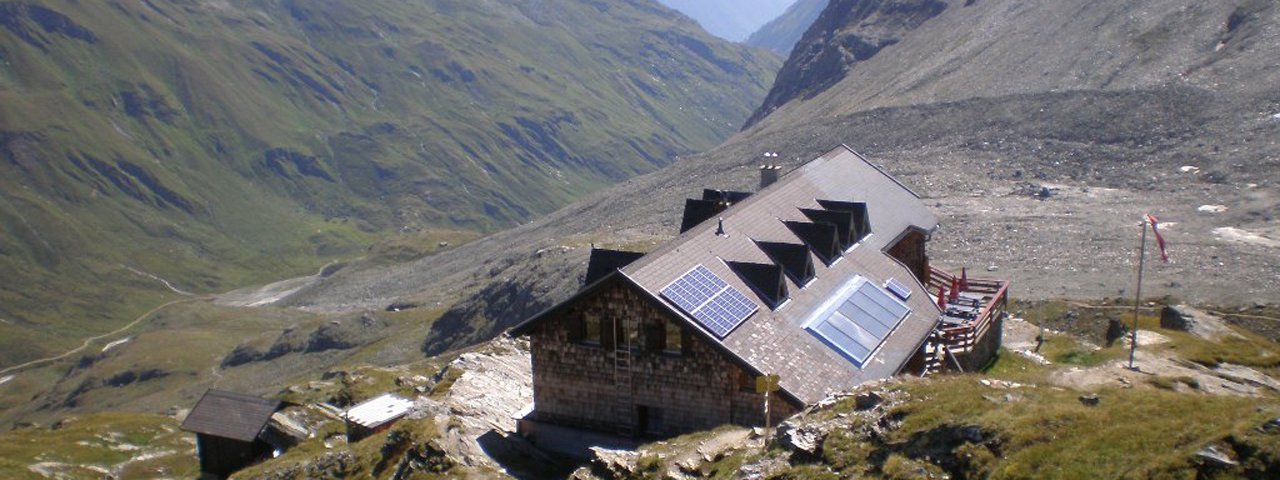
(968, 318)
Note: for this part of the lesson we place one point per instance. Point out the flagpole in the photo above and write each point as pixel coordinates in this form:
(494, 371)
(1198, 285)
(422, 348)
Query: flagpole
(1142, 256)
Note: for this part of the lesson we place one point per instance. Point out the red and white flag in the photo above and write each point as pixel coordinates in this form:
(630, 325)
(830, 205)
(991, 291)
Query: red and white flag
(1155, 228)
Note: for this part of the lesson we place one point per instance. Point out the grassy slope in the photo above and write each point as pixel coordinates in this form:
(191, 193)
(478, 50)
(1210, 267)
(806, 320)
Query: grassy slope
(216, 144)
(88, 447)
(1033, 429)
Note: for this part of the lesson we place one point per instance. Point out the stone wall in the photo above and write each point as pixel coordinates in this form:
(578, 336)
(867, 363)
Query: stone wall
(984, 349)
(695, 387)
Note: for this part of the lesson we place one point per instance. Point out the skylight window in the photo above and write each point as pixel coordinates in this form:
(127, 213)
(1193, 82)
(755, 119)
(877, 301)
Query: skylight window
(857, 320)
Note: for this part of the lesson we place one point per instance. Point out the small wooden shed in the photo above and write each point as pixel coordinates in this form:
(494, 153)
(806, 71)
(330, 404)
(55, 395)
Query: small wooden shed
(228, 428)
(375, 415)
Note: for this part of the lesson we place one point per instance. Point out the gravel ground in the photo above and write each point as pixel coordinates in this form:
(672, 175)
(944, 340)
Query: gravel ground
(984, 179)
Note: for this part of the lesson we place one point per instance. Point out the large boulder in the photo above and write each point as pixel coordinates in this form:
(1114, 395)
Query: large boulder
(1198, 322)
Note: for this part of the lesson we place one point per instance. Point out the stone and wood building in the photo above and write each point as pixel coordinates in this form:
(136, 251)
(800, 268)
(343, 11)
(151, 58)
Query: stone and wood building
(821, 278)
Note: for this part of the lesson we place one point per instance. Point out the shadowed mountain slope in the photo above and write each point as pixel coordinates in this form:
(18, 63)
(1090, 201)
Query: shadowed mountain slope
(213, 144)
(782, 33)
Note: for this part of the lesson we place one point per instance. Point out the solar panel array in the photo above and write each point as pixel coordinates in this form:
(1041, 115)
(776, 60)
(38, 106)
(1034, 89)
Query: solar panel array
(857, 324)
(893, 285)
(709, 300)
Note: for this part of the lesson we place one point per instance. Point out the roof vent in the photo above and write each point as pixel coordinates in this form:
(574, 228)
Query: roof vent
(821, 237)
(861, 220)
(793, 257)
(698, 211)
(840, 219)
(766, 279)
(604, 261)
(712, 203)
(720, 228)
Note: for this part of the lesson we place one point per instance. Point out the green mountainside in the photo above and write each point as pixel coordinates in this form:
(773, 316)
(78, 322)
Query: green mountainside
(213, 144)
(782, 33)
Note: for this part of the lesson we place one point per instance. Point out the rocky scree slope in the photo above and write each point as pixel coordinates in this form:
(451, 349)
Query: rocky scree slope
(876, 53)
(1103, 155)
(215, 144)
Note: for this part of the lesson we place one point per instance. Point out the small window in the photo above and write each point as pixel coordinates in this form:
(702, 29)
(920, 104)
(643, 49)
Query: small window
(674, 338)
(591, 331)
(746, 382)
(625, 338)
(653, 337)
(575, 327)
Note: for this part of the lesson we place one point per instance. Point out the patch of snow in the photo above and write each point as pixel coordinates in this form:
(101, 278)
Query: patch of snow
(5, 379)
(1033, 356)
(1245, 236)
(1189, 169)
(116, 343)
(266, 294)
(1002, 384)
(151, 455)
(1276, 116)
(1212, 208)
(1147, 338)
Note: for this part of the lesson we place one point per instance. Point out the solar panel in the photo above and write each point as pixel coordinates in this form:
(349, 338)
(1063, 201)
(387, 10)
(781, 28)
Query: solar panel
(709, 300)
(858, 320)
(893, 285)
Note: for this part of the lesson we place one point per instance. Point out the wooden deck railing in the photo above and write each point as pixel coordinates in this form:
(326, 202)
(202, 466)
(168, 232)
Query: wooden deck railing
(995, 301)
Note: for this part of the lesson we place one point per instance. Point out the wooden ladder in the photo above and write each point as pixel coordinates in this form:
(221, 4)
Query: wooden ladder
(624, 408)
(933, 356)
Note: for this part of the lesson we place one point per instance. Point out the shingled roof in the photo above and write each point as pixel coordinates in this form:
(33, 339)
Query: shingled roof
(230, 415)
(774, 338)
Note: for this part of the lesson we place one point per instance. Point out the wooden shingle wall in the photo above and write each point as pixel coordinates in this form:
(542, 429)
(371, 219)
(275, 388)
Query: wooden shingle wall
(910, 250)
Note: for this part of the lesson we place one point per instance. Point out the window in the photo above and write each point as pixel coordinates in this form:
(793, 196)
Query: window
(746, 383)
(591, 331)
(673, 341)
(622, 337)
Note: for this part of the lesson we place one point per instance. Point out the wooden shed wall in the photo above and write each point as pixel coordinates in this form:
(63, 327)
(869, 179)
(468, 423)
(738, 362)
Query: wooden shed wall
(220, 457)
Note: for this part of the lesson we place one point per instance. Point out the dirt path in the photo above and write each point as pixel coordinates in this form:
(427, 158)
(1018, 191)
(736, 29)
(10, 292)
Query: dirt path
(1130, 307)
(161, 280)
(89, 341)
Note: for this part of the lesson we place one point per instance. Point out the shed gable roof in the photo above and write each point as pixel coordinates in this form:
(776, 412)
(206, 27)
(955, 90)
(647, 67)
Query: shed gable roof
(230, 415)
